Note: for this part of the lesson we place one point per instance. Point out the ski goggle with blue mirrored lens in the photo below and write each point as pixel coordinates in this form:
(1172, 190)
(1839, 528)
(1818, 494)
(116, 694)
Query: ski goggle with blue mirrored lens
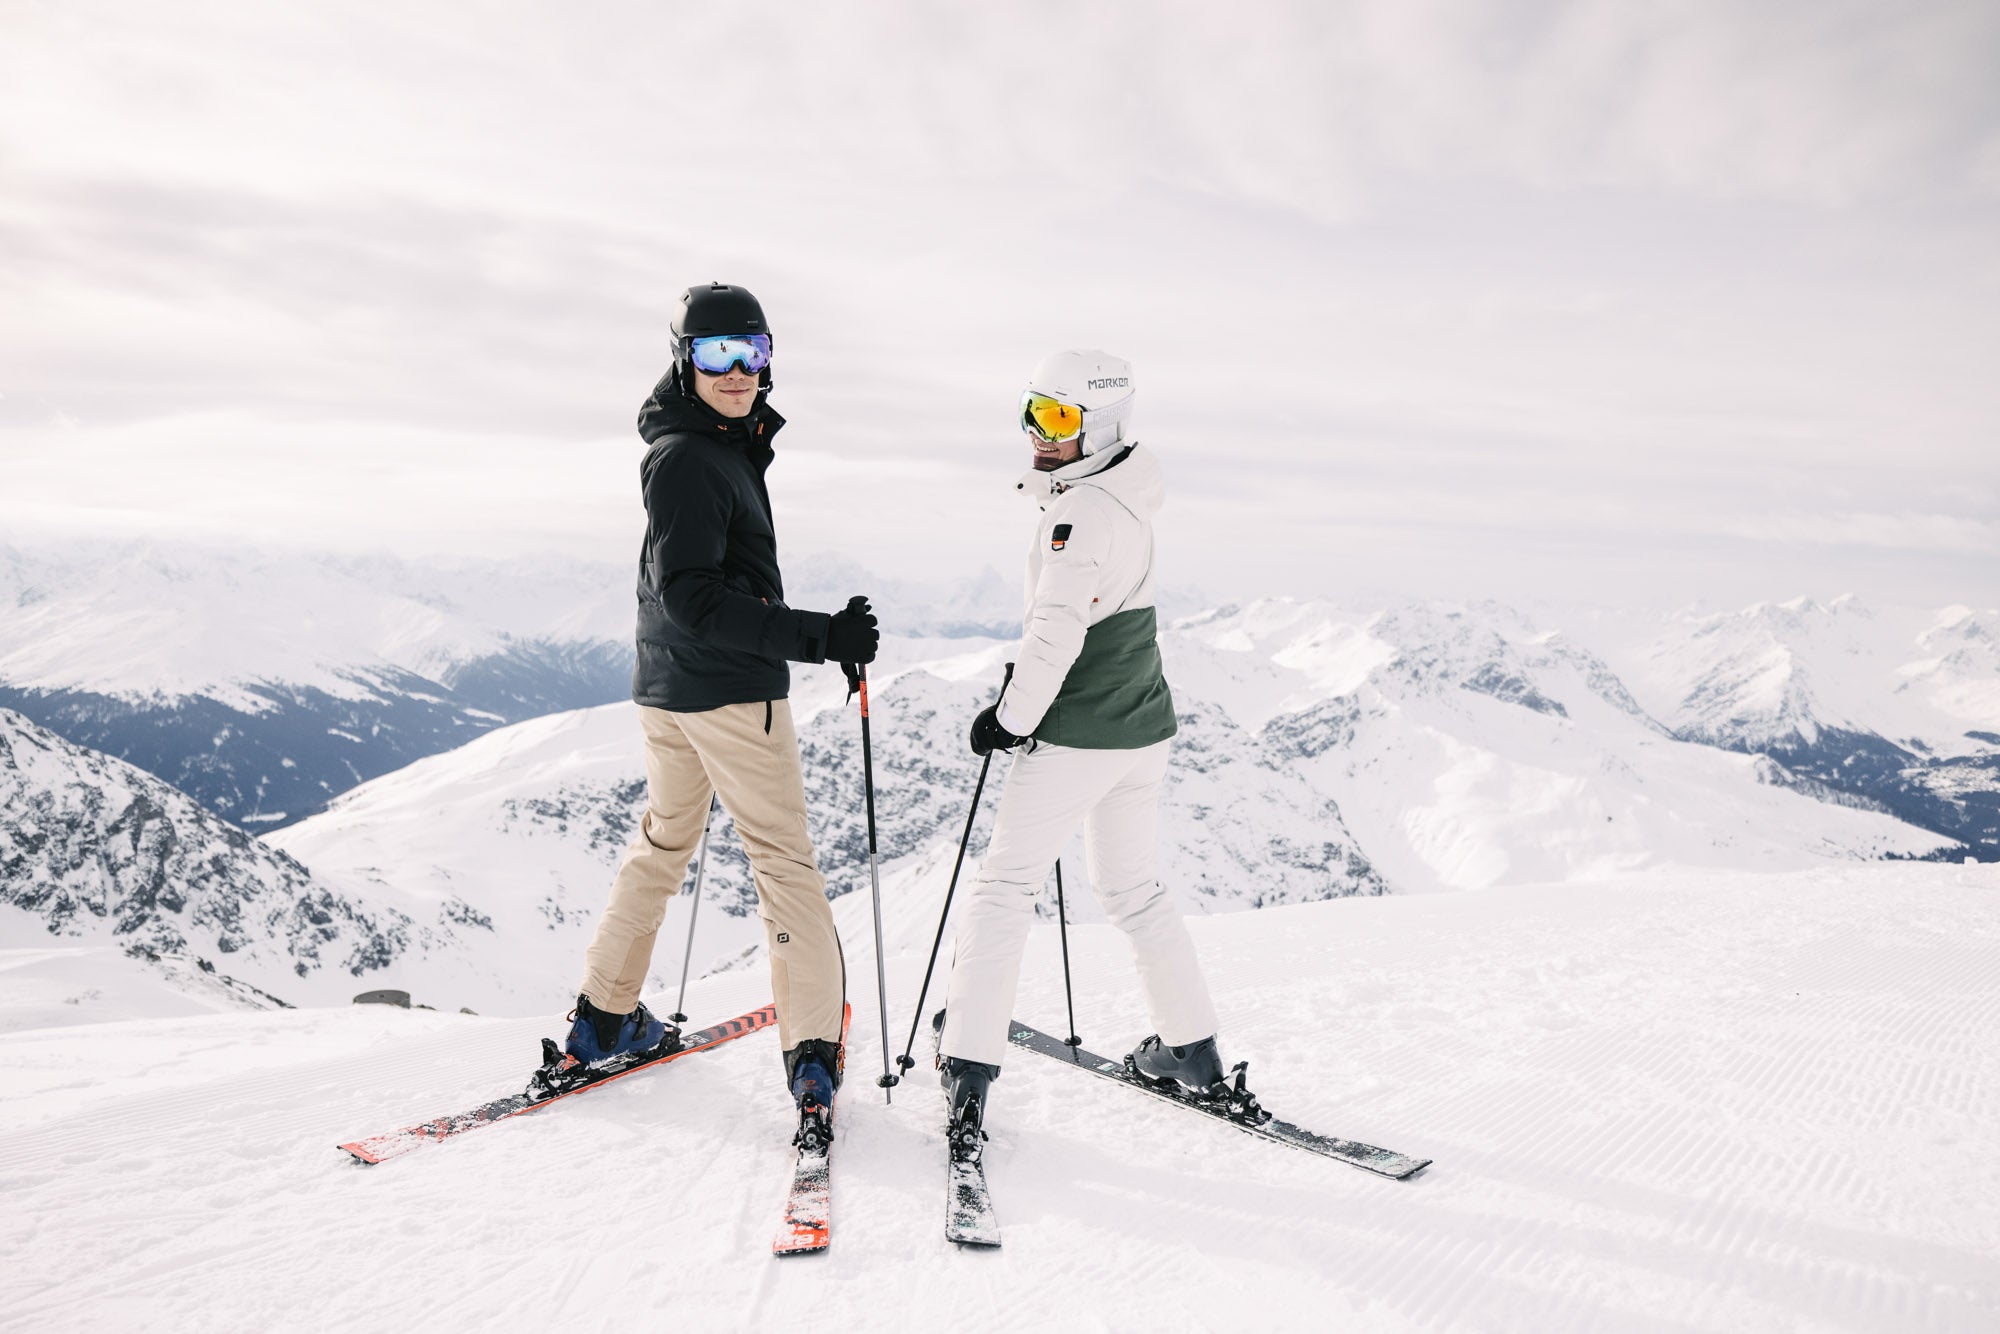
(714, 356)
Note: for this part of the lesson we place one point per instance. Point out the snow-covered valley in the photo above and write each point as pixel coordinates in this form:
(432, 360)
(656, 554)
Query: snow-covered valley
(1712, 1101)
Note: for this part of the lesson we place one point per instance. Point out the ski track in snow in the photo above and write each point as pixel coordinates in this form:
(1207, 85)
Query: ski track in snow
(1723, 1101)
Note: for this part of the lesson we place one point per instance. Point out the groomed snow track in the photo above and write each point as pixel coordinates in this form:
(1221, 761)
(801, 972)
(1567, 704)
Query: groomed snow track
(1729, 1103)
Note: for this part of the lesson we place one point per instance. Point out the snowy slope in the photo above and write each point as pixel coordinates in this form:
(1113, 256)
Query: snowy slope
(1467, 747)
(93, 850)
(1688, 1102)
(505, 848)
(1897, 705)
(1785, 672)
(1449, 748)
(61, 985)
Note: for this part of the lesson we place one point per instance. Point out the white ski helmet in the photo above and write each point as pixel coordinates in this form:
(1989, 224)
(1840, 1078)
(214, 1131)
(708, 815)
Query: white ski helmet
(1095, 381)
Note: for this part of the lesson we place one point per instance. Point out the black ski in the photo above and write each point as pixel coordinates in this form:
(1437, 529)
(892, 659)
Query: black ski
(969, 1219)
(1384, 1161)
(559, 1077)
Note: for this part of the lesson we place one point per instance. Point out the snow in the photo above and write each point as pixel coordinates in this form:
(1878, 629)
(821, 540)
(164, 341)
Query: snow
(95, 851)
(1770, 670)
(1686, 1056)
(526, 825)
(1466, 747)
(62, 985)
(1689, 1100)
(149, 620)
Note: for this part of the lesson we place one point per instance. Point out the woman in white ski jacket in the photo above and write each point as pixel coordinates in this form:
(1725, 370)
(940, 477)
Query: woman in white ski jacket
(1090, 710)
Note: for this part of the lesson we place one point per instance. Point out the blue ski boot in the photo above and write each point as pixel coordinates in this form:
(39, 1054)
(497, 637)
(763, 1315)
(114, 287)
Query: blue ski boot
(813, 1068)
(597, 1036)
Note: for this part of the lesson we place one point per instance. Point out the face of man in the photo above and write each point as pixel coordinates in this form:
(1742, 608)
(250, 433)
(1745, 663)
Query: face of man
(733, 393)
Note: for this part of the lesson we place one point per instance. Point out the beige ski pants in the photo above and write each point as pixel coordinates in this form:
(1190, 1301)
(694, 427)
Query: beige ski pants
(749, 754)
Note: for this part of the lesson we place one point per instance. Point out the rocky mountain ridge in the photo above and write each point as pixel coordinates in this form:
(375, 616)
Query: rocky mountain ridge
(93, 849)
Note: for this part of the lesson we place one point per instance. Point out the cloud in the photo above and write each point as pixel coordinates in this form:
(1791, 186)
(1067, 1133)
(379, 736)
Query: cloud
(1945, 534)
(1447, 274)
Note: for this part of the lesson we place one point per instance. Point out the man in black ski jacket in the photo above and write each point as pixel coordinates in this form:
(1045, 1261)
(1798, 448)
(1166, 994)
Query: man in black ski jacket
(713, 625)
(712, 678)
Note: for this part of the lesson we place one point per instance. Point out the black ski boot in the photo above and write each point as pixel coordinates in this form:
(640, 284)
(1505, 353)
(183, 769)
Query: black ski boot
(813, 1070)
(1194, 1073)
(965, 1086)
(1197, 1067)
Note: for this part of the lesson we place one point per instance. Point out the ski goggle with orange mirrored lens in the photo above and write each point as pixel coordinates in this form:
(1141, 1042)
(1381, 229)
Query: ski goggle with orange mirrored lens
(714, 356)
(1050, 419)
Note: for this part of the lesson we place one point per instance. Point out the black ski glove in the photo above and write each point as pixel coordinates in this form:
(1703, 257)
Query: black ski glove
(988, 735)
(851, 636)
(858, 605)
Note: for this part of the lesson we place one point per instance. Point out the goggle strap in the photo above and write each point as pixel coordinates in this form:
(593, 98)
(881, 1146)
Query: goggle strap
(1094, 418)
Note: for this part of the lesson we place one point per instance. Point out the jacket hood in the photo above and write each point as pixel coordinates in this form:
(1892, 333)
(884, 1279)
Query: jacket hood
(1131, 476)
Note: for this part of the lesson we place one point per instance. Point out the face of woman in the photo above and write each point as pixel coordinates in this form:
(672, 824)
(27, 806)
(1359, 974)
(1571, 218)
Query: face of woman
(1049, 457)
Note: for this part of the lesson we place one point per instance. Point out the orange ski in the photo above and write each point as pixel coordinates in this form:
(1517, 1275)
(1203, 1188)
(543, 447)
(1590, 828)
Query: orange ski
(560, 1077)
(808, 1225)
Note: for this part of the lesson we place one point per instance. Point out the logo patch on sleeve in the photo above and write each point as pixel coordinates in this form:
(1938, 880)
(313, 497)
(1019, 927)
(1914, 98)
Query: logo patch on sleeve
(1059, 537)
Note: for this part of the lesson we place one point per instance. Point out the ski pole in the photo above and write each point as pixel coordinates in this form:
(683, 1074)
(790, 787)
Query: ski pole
(904, 1062)
(700, 865)
(887, 1081)
(1069, 996)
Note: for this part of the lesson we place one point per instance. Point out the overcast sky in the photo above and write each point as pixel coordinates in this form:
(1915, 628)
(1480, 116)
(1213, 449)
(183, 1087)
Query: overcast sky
(1616, 301)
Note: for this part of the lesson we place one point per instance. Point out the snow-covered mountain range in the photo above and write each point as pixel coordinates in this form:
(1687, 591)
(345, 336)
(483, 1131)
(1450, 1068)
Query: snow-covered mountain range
(1466, 747)
(95, 850)
(265, 684)
(529, 822)
(1327, 749)
(1322, 754)
(1901, 706)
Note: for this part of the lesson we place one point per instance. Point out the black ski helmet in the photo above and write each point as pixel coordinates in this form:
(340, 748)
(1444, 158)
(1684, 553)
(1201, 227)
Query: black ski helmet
(704, 312)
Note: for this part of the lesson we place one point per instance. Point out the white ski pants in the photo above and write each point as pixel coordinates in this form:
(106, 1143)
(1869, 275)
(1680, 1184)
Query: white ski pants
(1051, 790)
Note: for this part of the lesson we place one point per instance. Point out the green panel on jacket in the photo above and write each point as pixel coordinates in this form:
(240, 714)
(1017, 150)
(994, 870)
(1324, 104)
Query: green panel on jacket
(1115, 696)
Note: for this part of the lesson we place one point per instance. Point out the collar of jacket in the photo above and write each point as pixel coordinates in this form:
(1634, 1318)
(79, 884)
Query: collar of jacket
(669, 412)
(1041, 487)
